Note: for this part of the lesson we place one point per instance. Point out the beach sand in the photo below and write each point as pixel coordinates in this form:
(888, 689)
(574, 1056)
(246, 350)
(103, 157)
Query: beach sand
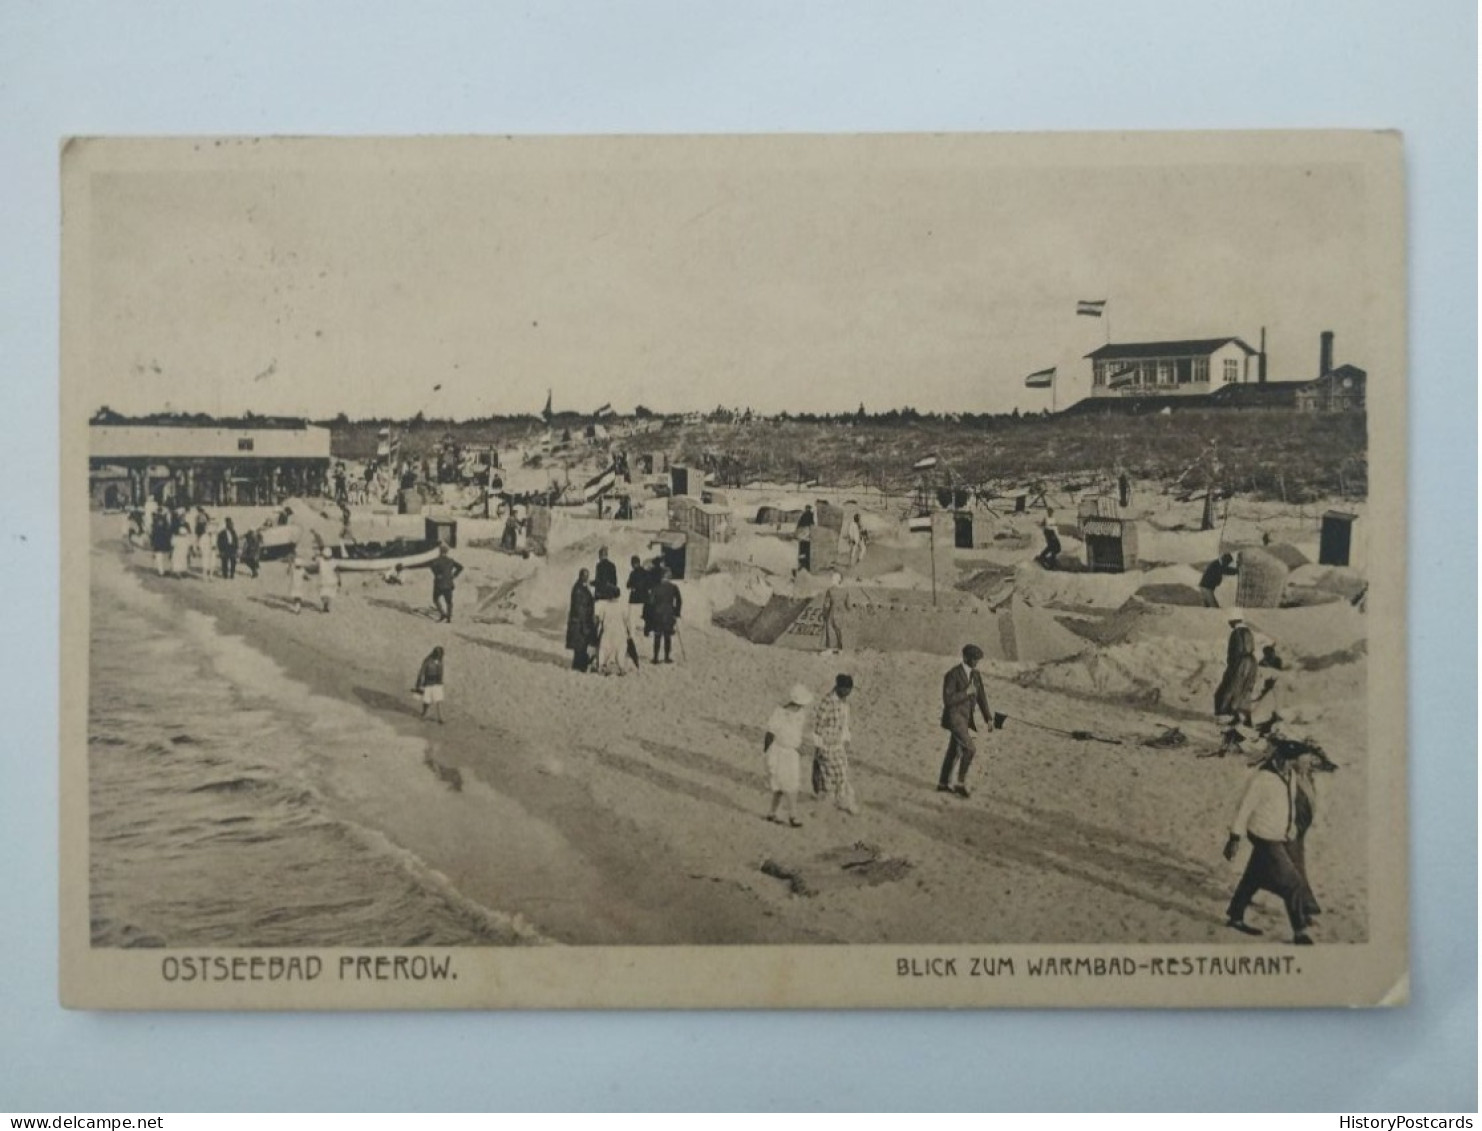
(629, 810)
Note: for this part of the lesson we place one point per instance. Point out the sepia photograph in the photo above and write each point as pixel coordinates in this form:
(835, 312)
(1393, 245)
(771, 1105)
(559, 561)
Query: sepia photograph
(717, 571)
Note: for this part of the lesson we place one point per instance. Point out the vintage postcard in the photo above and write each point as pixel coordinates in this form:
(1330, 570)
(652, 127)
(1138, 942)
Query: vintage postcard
(795, 571)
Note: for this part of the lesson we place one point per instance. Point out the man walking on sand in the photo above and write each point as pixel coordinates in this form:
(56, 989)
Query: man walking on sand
(430, 683)
(444, 570)
(831, 740)
(1274, 815)
(962, 691)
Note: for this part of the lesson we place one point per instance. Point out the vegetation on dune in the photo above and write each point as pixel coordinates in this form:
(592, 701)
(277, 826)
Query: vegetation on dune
(1264, 453)
(1268, 454)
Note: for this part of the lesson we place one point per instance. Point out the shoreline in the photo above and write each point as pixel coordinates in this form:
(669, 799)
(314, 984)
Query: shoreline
(592, 812)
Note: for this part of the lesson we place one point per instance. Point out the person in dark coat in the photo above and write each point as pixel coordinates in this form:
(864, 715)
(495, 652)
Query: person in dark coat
(1214, 573)
(804, 535)
(251, 550)
(664, 605)
(581, 624)
(606, 581)
(1233, 696)
(962, 691)
(226, 549)
(159, 542)
(640, 582)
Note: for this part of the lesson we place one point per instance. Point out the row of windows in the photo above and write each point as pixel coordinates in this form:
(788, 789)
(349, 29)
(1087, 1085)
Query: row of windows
(1164, 371)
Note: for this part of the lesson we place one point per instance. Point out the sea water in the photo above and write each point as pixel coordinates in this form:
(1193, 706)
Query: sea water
(211, 812)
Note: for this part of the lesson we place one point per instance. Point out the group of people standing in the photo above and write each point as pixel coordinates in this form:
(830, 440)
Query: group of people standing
(189, 542)
(600, 624)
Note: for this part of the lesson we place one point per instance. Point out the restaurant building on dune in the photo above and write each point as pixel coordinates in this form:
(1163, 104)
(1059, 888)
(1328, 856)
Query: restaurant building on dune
(258, 461)
(1192, 367)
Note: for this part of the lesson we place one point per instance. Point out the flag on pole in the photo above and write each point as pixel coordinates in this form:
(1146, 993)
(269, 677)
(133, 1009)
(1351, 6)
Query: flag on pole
(926, 463)
(1124, 376)
(1041, 379)
(599, 484)
(605, 410)
(919, 523)
(546, 412)
(1093, 308)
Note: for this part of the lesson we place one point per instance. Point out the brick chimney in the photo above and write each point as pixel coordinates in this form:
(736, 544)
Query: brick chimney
(1261, 359)
(1325, 359)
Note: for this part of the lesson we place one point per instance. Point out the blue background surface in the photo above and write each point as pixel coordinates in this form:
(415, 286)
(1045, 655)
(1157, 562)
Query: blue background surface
(358, 68)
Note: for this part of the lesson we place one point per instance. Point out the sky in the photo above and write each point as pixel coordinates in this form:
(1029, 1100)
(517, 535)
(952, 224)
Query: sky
(797, 274)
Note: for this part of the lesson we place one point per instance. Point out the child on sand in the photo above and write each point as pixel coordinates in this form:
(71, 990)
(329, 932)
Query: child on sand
(329, 579)
(430, 683)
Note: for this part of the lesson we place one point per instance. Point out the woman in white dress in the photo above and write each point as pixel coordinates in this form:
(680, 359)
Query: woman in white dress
(612, 643)
(180, 543)
(295, 583)
(782, 743)
(206, 549)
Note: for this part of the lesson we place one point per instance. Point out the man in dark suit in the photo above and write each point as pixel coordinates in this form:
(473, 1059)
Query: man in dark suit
(605, 583)
(226, 547)
(962, 690)
(664, 605)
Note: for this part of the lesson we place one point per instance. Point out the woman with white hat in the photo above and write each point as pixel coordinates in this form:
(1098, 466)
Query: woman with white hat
(783, 739)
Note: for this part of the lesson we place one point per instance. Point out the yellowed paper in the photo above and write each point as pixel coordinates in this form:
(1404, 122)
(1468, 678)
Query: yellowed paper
(401, 739)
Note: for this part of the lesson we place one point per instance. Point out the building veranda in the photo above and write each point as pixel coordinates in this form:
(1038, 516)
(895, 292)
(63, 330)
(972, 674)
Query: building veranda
(255, 462)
